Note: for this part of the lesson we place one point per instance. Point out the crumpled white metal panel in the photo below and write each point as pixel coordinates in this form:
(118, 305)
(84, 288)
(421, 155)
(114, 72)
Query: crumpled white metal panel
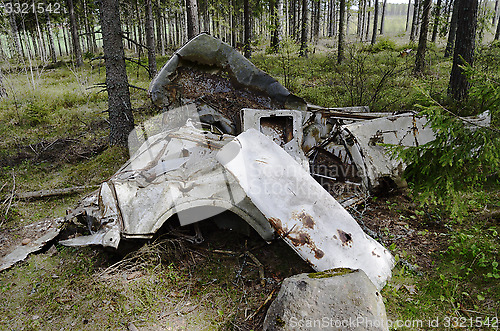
(307, 217)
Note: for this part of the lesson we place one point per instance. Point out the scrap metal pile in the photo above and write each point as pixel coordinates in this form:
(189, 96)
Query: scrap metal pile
(232, 138)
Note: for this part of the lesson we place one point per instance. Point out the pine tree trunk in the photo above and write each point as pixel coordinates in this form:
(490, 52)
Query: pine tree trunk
(150, 39)
(408, 15)
(52, 47)
(367, 31)
(414, 21)
(497, 33)
(15, 36)
(382, 20)
(437, 14)
(3, 92)
(247, 29)
(77, 50)
(464, 48)
(303, 30)
(160, 41)
(453, 29)
(495, 13)
(375, 23)
(121, 118)
(193, 26)
(422, 41)
(340, 55)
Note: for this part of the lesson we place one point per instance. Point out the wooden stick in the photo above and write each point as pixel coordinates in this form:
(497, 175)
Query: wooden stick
(55, 192)
(269, 297)
(261, 268)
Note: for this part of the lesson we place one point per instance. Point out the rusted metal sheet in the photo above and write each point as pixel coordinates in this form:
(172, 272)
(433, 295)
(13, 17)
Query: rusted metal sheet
(306, 216)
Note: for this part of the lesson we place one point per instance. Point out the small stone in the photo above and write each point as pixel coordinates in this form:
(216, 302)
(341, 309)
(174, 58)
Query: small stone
(25, 241)
(35, 317)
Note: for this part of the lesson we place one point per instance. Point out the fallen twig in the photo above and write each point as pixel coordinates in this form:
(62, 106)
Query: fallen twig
(269, 297)
(261, 267)
(54, 192)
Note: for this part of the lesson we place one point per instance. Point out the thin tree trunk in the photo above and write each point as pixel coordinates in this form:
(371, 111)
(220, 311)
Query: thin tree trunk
(437, 14)
(368, 21)
(193, 26)
(59, 46)
(317, 13)
(340, 55)
(464, 49)
(495, 13)
(303, 30)
(3, 92)
(422, 42)
(150, 39)
(15, 35)
(382, 20)
(160, 41)
(52, 47)
(77, 50)
(375, 23)
(414, 21)
(121, 118)
(453, 29)
(408, 15)
(497, 33)
(247, 29)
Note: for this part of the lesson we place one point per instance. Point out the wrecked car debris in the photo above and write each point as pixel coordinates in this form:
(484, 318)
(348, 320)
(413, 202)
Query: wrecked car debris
(309, 219)
(45, 232)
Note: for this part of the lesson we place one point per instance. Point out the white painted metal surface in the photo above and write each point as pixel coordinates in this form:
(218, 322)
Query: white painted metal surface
(308, 218)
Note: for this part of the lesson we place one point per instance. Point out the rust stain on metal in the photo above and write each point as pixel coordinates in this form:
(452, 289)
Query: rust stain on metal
(344, 237)
(305, 218)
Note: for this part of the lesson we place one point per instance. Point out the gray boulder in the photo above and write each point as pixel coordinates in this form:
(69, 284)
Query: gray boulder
(337, 299)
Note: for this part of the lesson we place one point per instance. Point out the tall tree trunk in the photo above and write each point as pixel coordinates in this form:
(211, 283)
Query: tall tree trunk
(160, 41)
(464, 48)
(495, 13)
(52, 47)
(414, 21)
(408, 15)
(15, 35)
(437, 14)
(77, 50)
(66, 37)
(247, 29)
(303, 30)
(497, 33)
(375, 23)
(121, 118)
(317, 14)
(453, 29)
(3, 92)
(275, 33)
(422, 41)
(193, 26)
(368, 20)
(382, 20)
(150, 39)
(340, 55)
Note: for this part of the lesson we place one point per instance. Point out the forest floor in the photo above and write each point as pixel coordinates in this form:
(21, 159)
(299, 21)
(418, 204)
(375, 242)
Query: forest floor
(54, 127)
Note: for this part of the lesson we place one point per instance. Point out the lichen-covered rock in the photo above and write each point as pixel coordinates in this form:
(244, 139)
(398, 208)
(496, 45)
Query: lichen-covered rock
(338, 299)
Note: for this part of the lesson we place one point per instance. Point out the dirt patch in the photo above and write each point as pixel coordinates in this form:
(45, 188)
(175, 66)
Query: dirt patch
(57, 151)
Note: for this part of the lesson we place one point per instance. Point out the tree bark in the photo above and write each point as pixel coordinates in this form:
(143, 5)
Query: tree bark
(497, 33)
(453, 29)
(375, 23)
(495, 13)
(160, 41)
(303, 30)
(3, 92)
(414, 21)
(15, 36)
(77, 49)
(464, 48)
(437, 14)
(247, 29)
(340, 55)
(383, 17)
(193, 26)
(150, 40)
(408, 15)
(52, 47)
(422, 41)
(121, 118)
(275, 19)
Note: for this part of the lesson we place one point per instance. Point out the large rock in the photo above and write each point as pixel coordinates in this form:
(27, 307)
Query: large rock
(337, 299)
